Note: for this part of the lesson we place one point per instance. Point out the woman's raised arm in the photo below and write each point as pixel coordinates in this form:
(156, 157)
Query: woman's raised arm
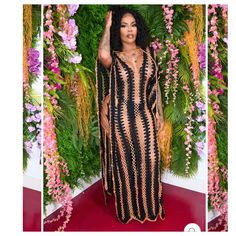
(104, 54)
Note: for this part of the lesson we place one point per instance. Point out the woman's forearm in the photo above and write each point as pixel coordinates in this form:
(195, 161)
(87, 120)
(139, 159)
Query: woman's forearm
(104, 54)
(104, 45)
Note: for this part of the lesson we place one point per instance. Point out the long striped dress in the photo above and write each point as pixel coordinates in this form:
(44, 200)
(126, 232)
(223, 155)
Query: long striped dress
(130, 159)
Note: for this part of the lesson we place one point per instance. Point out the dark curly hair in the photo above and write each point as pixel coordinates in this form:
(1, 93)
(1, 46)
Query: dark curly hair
(142, 33)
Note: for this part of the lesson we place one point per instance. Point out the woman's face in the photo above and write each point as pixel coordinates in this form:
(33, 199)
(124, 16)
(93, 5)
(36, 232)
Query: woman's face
(128, 29)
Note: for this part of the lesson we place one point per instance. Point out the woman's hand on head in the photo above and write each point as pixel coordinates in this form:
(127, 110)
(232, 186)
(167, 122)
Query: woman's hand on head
(108, 19)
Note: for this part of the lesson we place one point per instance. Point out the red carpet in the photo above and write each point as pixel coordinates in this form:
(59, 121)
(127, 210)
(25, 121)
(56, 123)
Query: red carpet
(182, 207)
(31, 210)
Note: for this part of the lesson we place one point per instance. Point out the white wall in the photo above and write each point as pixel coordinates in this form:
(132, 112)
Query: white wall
(196, 183)
(32, 175)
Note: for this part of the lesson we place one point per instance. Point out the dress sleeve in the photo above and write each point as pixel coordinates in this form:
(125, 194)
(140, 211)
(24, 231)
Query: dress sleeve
(102, 90)
(154, 92)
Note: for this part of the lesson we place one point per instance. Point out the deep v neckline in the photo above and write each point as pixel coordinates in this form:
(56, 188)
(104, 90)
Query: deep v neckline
(129, 67)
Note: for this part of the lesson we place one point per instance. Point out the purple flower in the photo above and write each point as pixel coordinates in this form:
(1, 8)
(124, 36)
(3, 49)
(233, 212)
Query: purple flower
(201, 55)
(225, 40)
(31, 129)
(72, 8)
(202, 128)
(199, 148)
(33, 61)
(28, 146)
(68, 34)
(200, 105)
(38, 115)
(28, 119)
(76, 59)
(36, 119)
(200, 118)
(30, 107)
(39, 138)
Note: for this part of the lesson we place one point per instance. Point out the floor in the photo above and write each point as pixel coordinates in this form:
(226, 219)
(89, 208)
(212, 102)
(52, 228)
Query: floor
(213, 224)
(31, 210)
(182, 207)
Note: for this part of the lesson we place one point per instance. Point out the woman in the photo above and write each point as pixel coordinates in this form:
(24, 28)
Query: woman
(130, 114)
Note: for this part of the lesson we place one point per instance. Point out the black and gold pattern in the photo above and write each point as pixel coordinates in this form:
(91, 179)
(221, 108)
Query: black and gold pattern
(130, 158)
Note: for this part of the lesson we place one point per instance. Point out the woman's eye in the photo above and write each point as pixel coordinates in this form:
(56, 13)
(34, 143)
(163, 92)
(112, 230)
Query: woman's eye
(134, 25)
(122, 26)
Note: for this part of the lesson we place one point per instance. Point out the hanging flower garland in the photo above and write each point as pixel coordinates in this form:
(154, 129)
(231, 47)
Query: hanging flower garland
(188, 128)
(201, 121)
(55, 166)
(171, 71)
(218, 196)
(171, 77)
(217, 170)
(67, 98)
(196, 51)
(168, 17)
(216, 69)
(173, 60)
(195, 108)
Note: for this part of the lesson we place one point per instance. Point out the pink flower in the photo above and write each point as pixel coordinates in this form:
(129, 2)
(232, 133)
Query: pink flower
(58, 86)
(221, 91)
(216, 106)
(154, 46)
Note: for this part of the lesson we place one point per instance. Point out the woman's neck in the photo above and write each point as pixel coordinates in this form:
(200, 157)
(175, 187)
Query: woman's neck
(129, 47)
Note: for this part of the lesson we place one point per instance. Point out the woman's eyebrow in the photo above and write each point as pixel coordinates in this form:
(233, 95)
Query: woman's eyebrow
(127, 23)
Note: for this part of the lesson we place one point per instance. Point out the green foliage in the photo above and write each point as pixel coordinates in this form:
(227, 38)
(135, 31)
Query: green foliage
(178, 156)
(91, 21)
(25, 159)
(153, 17)
(176, 113)
(82, 159)
(222, 136)
(179, 25)
(36, 24)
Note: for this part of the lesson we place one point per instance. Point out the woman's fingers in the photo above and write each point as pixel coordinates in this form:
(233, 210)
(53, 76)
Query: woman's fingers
(109, 18)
